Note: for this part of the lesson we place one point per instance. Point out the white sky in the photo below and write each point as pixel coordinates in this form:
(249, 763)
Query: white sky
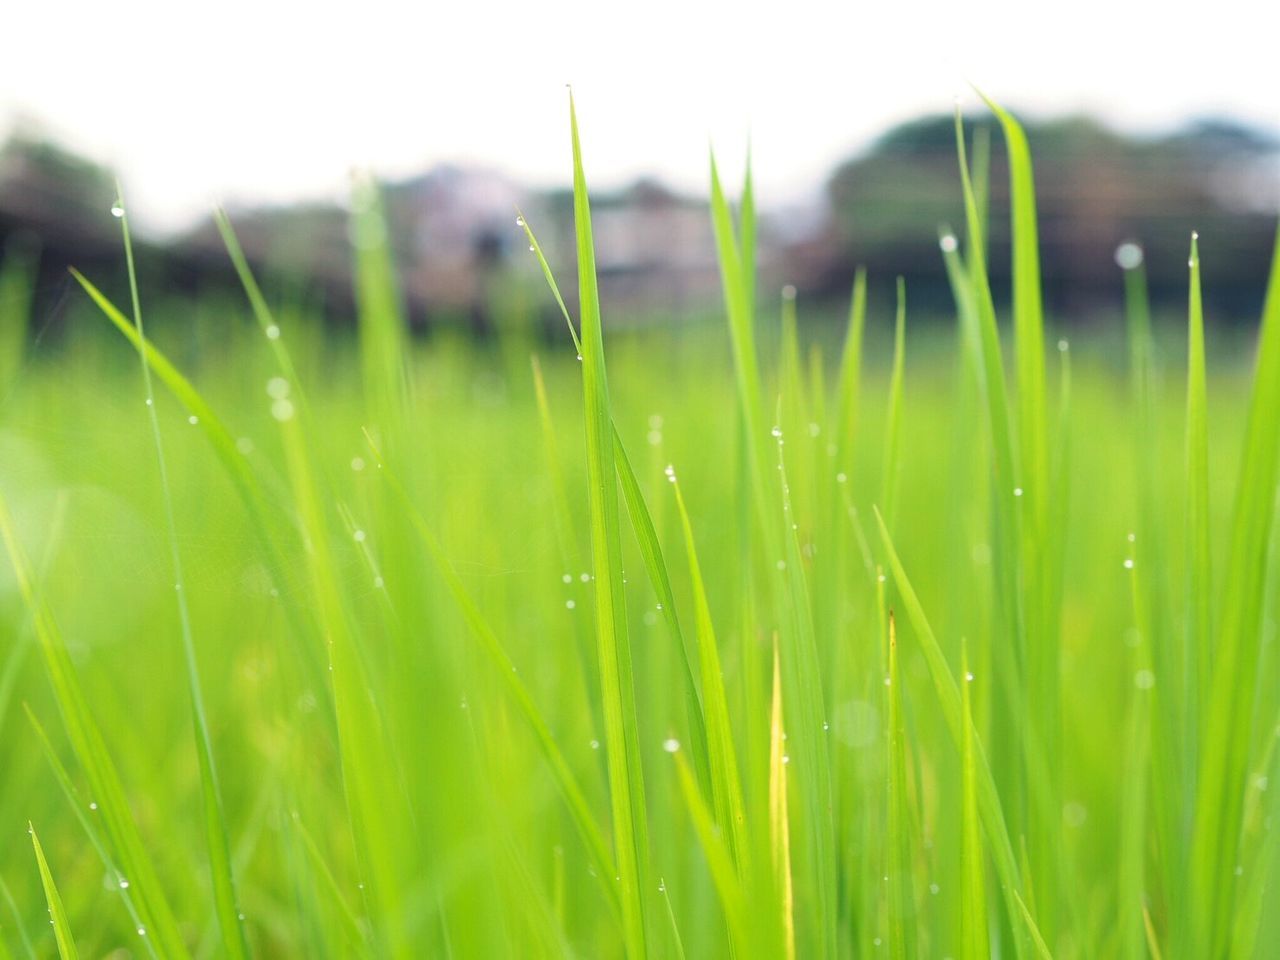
(250, 100)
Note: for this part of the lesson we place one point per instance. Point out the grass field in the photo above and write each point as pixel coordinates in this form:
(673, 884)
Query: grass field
(940, 640)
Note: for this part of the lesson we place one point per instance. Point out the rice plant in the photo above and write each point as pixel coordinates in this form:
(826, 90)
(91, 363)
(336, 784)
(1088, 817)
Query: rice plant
(941, 642)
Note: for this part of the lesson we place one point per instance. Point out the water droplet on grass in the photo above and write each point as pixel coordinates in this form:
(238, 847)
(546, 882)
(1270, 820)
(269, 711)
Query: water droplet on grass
(671, 745)
(1128, 256)
(117, 211)
(273, 332)
(948, 243)
(193, 419)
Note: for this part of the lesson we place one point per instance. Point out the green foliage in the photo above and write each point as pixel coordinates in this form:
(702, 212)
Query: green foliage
(1030, 711)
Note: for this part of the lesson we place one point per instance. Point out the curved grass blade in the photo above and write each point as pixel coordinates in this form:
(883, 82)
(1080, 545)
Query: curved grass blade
(645, 532)
(949, 701)
(726, 788)
(574, 798)
(61, 928)
(91, 752)
(78, 807)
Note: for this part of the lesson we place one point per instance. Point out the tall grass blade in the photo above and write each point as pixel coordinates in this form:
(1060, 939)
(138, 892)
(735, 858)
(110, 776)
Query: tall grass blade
(1228, 718)
(227, 908)
(622, 739)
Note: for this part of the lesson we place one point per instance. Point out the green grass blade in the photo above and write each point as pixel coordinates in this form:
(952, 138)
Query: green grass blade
(1199, 558)
(505, 668)
(83, 812)
(726, 788)
(850, 376)
(975, 944)
(622, 738)
(61, 927)
(949, 700)
(779, 818)
(226, 906)
(892, 436)
(91, 752)
(1228, 716)
(902, 914)
(646, 535)
(733, 899)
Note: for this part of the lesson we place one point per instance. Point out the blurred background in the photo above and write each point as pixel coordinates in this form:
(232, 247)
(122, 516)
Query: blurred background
(268, 109)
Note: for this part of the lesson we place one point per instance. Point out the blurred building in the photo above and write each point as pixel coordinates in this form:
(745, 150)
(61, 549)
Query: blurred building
(463, 259)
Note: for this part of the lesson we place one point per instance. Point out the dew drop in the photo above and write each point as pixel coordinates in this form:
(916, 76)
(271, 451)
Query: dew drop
(282, 409)
(273, 332)
(519, 221)
(1063, 346)
(150, 402)
(193, 419)
(968, 677)
(117, 211)
(934, 888)
(1128, 563)
(357, 464)
(358, 536)
(277, 388)
(841, 478)
(378, 583)
(569, 604)
(93, 805)
(595, 744)
(776, 431)
(1128, 256)
(142, 931)
(786, 758)
(948, 243)
(788, 292)
(584, 577)
(531, 248)
(670, 473)
(124, 884)
(782, 564)
(1017, 491)
(567, 578)
(671, 745)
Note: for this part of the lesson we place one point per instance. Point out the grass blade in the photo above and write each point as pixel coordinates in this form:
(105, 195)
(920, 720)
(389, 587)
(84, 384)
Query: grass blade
(226, 906)
(61, 928)
(626, 779)
(1228, 717)
(91, 752)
